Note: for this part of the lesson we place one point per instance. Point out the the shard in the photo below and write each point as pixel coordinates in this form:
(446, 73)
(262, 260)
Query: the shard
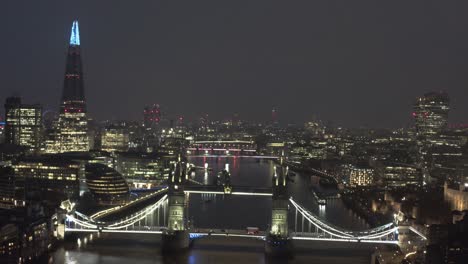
(73, 123)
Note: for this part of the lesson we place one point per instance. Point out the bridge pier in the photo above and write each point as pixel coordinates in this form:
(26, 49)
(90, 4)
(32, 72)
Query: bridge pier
(176, 237)
(277, 242)
(175, 241)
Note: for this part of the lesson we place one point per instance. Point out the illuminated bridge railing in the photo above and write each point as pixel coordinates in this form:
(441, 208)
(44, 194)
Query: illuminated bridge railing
(143, 221)
(235, 190)
(309, 227)
(313, 228)
(223, 145)
(113, 210)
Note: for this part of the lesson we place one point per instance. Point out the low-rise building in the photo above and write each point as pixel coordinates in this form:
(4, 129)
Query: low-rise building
(144, 170)
(396, 175)
(456, 195)
(54, 174)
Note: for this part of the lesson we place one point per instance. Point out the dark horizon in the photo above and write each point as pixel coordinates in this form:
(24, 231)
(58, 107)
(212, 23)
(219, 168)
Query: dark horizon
(244, 57)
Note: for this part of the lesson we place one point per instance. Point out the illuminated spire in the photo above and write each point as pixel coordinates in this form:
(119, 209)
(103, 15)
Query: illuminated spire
(75, 34)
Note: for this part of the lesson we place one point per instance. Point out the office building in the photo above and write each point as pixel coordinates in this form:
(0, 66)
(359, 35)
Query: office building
(152, 116)
(361, 175)
(144, 170)
(23, 123)
(106, 185)
(398, 175)
(115, 138)
(431, 114)
(54, 174)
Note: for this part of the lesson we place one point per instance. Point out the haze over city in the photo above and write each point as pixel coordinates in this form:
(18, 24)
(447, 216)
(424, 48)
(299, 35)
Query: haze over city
(233, 132)
(356, 63)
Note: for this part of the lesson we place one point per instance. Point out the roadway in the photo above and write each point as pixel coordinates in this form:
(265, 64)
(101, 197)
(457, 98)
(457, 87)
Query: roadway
(119, 212)
(236, 190)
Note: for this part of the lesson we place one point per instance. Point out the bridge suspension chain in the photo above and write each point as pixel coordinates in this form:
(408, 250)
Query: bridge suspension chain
(375, 233)
(89, 223)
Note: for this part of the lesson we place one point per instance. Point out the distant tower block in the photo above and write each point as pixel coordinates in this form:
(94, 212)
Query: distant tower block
(431, 114)
(152, 115)
(274, 116)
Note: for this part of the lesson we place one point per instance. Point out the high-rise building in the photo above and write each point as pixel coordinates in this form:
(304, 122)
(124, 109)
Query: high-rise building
(115, 138)
(152, 115)
(73, 123)
(431, 114)
(274, 116)
(23, 123)
(431, 117)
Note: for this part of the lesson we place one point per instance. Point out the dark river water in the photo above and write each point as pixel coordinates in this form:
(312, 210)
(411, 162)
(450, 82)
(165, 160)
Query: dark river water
(227, 212)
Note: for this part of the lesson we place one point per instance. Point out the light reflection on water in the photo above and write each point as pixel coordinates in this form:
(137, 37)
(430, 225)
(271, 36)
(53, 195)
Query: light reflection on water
(218, 211)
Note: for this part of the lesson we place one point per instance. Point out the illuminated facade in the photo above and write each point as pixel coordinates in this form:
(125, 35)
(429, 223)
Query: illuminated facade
(176, 211)
(456, 196)
(115, 139)
(23, 125)
(431, 117)
(52, 174)
(144, 170)
(400, 175)
(279, 208)
(73, 123)
(361, 176)
(431, 114)
(107, 185)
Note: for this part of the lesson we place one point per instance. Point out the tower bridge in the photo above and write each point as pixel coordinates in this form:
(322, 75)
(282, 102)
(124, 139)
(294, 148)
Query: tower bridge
(167, 217)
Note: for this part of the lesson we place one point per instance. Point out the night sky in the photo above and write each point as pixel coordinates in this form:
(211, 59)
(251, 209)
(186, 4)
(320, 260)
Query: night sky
(353, 62)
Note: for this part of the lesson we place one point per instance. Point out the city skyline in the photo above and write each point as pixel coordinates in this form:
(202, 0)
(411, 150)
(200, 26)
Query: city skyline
(223, 71)
(265, 131)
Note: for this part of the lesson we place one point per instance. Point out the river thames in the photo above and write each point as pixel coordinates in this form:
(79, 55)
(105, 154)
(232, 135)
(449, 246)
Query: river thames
(227, 212)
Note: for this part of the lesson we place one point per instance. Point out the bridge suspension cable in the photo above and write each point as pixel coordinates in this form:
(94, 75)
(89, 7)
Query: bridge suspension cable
(380, 232)
(88, 223)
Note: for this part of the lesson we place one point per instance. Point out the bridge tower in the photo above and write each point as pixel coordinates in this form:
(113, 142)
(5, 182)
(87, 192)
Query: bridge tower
(278, 242)
(176, 237)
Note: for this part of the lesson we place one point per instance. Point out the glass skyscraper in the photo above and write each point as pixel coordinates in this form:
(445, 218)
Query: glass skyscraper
(73, 123)
(23, 123)
(431, 114)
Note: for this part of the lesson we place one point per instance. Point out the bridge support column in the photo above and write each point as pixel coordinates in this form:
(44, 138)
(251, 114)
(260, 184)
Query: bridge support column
(176, 237)
(278, 243)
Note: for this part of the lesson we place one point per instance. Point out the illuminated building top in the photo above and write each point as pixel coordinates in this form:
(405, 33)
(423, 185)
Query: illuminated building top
(75, 34)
